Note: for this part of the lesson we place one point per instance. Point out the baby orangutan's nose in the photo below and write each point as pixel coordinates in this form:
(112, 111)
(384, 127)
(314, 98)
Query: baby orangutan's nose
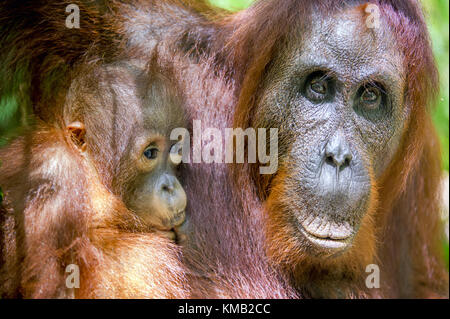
(174, 195)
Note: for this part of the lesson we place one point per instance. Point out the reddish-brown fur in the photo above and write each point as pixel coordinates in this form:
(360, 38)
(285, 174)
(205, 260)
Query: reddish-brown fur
(224, 247)
(59, 213)
(56, 210)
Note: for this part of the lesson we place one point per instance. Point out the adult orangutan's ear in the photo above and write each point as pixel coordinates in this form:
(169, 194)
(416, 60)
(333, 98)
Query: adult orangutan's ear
(77, 133)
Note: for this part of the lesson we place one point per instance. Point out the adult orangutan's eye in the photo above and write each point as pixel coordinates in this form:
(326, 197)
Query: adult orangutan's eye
(318, 87)
(370, 98)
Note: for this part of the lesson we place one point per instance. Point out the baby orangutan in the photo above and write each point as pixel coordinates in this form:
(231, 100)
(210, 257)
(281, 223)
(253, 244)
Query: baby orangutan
(122, 126)
(97, 190)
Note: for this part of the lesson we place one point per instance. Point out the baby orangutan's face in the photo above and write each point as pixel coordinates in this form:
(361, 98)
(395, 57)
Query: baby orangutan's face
(134, 112)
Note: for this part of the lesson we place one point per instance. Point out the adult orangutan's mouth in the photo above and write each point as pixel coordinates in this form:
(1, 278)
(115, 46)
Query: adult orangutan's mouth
(327, 234)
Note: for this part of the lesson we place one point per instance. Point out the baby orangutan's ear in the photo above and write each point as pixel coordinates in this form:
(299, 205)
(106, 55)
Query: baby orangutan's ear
(77, 133)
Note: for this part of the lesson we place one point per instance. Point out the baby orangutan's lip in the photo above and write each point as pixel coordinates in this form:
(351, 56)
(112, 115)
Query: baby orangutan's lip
(172, 231)
(178, 219)
(169, 234)
(180, 236)
(174, 235)
(167, 224)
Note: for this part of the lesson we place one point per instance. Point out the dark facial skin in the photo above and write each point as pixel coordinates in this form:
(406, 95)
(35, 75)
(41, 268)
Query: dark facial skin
(337, 98)
(128, 117)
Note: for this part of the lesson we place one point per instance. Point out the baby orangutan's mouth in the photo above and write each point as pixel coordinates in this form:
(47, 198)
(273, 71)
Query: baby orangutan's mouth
(172, 227)
(169, 234)
(178, 219)
(175, 220)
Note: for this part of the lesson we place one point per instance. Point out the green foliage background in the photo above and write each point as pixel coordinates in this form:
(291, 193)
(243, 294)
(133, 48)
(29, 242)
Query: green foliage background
(437, 18)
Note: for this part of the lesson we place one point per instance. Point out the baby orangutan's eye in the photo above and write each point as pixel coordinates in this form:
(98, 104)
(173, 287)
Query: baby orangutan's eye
(151, 152)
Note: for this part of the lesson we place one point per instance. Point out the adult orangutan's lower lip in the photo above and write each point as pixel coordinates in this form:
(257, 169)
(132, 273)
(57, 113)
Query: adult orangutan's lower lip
(332, 242)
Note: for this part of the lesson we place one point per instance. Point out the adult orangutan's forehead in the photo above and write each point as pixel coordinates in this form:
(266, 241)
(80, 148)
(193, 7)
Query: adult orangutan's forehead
(345, 43)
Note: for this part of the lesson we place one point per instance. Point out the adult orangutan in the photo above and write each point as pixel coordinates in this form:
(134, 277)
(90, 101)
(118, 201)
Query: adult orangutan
(359, 161)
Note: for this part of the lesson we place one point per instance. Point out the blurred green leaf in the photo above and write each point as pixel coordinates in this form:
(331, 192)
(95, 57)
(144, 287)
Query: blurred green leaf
(446, 249)
(1, 192)
(232, 5)
(437, 13)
